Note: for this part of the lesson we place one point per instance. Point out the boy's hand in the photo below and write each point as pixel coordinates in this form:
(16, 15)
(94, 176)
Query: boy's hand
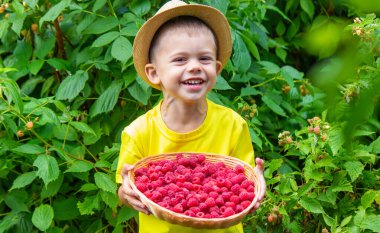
(260, 170)
(126, 193)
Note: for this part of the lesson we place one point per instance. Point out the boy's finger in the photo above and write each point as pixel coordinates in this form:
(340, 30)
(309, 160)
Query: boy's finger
(126, 168)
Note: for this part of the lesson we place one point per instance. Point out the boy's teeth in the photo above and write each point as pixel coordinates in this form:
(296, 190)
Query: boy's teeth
(193, 82)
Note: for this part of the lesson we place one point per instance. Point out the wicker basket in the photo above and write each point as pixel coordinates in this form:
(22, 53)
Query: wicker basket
(187, 221)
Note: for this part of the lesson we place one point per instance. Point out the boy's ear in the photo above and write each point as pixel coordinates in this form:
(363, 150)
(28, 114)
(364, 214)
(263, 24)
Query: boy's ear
(151, 73)
(218, 67)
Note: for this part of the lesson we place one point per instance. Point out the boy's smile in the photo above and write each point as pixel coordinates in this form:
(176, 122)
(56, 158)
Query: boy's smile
(185, 64)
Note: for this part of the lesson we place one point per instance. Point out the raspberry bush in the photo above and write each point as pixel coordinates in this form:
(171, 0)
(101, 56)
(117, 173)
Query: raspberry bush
(304, 74)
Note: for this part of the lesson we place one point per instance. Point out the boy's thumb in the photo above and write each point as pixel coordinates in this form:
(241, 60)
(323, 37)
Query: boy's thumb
(126, 168)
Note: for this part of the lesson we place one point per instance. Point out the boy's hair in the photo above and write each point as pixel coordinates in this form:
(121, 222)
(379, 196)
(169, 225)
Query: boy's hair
(188, 23)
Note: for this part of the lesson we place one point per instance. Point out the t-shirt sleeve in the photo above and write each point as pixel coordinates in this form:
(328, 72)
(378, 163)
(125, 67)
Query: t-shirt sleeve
(129, 153)
(243, 148)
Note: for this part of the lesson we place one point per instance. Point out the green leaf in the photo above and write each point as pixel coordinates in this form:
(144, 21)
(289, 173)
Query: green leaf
(9, 220)
(80, 166)
(129, 30)
(138, 91)
(43, 217)
(88, 187)
(98, 5)
(336, 139)
(375, 145)
(110, 199)
(290, 74)
(23, 180)
(29, 149)
(89, 204)
(270, 67)
(54, 12)
(248, 91)
(272, 105)
(65, 209)
(346, 221)
(52, 188)
(72, 85)
(354, 169)
(220, 5)
(331, 222)
(82, 127)
(222, 84)
(306, 188)
(371, 222)
(240, 57)
(44, 46)
(308, 7)
(102, 25)
(368, 198)
(140, 8)
(276, 9)
(12, 92)
(340, 183)
(48, 169)
(35, 66)
(105, 182)
(125, 214)
(105, 39)
(251, 46)
(57, 63)
(311, 205)
(107, 100)
(121, 49)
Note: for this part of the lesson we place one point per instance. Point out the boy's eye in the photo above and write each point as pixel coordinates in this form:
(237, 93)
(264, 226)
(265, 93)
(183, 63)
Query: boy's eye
(206, 58)
(179, 59)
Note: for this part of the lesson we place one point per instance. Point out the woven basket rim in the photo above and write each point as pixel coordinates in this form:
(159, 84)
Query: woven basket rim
(146, 160)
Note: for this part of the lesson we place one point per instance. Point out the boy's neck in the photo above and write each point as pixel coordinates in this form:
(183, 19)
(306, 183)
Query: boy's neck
(183, 117)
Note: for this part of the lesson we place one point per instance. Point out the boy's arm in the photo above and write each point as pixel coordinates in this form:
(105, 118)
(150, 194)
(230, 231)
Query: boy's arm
(129, 153)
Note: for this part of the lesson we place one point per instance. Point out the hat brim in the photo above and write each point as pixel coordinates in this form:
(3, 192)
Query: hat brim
(211, 16)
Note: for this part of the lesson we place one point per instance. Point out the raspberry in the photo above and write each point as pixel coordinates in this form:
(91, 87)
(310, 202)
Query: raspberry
(156, 196)
(221, 182)
(180, 178)
(220, 165)
(196, 180)
(219, 201)
(228, 212)
(164, 204)
(235, 199)
(250, 188)
(230, 204)
(214, 195)
(153, 176)
(214, 209)
(235, 188)
(239, 169)
(189, 213)
(157, 183)
(201, 158)
(178, 208)
(200, 214)
(245, 204)
(192, 202)
(245, 184)
(174, 201)
(214, 215)
(243, 196)
(166, 167)
(226, 196)
(141, 186)
(210, 202)
(197, 188)
(239, 208)
(207, 188)
(251, 196)
(203, 206)
(211, 169)
(194, 209)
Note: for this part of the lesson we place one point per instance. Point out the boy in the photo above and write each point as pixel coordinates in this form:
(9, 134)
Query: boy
(180, 51)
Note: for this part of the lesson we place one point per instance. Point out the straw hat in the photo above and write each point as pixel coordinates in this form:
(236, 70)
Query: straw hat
(211, 16)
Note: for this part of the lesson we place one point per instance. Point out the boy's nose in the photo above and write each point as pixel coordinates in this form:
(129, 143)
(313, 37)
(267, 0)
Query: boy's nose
(194, 66)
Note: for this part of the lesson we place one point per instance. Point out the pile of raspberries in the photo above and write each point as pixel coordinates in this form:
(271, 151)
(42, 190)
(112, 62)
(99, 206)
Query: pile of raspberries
(195, 187)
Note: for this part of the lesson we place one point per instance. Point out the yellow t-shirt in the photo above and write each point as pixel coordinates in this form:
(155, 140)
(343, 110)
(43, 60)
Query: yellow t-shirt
(222, 132)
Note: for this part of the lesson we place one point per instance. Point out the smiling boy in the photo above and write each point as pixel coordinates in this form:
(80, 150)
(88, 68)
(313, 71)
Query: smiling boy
(180, 51)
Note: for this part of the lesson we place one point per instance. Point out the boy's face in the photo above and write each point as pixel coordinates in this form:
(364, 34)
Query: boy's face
(184, 64)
